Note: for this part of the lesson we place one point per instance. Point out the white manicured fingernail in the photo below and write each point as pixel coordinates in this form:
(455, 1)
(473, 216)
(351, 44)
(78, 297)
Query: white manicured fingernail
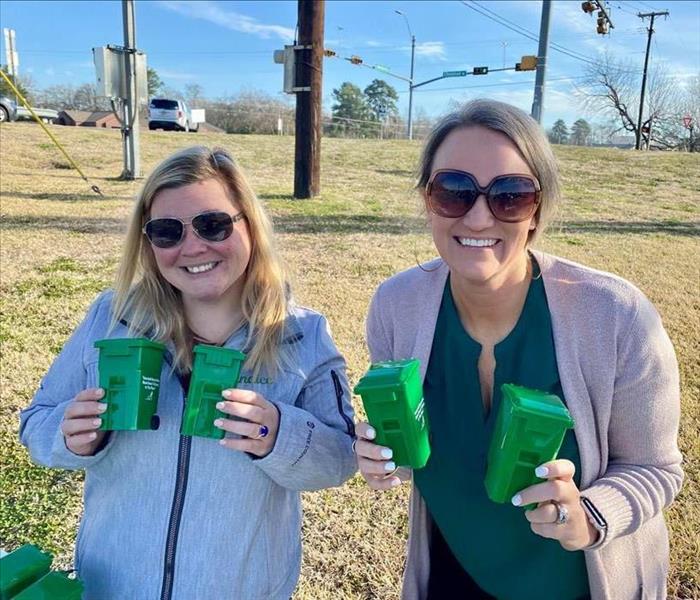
(220, 405)
(387, 453)
(390, 466)
(97, 422)
(218, 422)
(92, 436)
(395, 481)
(541, 471)
(102, 407)
(222, 442)
(516, 500)
(226, 393)
(371, 433)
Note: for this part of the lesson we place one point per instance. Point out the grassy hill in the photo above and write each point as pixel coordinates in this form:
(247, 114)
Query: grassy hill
(635, 214)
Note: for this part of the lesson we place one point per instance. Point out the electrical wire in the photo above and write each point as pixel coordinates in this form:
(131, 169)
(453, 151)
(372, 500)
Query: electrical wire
(524, 32)
(489, 85)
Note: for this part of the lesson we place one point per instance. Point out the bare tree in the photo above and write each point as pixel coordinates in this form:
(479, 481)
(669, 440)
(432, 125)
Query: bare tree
(612, 89)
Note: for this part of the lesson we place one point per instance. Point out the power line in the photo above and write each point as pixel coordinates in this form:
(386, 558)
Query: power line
(524, 32)
(489, 85)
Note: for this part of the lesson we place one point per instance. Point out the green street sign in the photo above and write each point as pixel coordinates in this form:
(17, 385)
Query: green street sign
(454, 73)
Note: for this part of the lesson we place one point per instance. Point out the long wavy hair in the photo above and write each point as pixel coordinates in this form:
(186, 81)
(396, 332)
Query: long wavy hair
(521, 129)
(153, 307)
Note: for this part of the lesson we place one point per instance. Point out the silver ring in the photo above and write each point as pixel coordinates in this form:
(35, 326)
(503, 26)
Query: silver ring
(354, 442)
(562, 513)
(262, 432)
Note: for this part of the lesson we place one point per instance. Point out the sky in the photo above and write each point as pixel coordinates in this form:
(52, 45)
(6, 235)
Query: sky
(227, 47)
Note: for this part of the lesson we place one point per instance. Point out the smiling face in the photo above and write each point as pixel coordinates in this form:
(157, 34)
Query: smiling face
(478, 248)
(204, 272)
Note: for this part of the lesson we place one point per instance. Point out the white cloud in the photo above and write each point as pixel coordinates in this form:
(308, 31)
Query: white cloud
(212, 12)
(434, 50)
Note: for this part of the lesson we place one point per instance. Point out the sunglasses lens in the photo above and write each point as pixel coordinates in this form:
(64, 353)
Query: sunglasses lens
(164, 233)
(213, 226)
(451, 194)
(513, 198)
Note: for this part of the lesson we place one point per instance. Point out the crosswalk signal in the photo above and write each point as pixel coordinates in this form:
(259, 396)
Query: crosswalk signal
(480, 71)
(355, 60)
(602, 23)
(527, 63)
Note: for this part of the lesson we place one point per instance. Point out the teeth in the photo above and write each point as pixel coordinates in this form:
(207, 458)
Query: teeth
(201, 268)
(477, 243)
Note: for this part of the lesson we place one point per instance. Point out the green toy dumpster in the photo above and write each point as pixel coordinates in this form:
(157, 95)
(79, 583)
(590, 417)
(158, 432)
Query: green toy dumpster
(130, 376)
(215, 369)
(53, 586)
(530, 428)
(392, 396)
(21, 568)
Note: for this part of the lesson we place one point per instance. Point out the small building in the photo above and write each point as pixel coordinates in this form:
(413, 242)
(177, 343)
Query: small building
(84, 118)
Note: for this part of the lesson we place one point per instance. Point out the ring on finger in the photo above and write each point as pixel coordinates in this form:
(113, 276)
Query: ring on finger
(562, 513)
(262, 432)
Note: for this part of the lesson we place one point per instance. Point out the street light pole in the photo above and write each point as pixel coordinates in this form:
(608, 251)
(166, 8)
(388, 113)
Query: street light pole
(410, 83)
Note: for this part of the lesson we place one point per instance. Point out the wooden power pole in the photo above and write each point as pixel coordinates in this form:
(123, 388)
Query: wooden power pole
(309, 65)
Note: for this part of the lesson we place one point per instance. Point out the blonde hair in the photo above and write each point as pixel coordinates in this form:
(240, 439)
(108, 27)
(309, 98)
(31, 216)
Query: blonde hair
(522, 130)
(152, 307)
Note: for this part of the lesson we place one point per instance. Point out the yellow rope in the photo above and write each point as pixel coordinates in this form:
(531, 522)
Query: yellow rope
(94, 188)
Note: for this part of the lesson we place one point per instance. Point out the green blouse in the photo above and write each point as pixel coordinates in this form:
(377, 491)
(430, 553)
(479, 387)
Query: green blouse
(493, 542)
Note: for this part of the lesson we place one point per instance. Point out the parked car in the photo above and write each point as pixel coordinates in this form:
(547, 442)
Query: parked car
(47, 115)
(8, 109)
(167, 114)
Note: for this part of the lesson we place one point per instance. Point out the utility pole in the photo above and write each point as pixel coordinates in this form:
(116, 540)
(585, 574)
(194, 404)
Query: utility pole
(410, 80)
(130, 126)
(309, 65)
(538, 100)
(638, 144)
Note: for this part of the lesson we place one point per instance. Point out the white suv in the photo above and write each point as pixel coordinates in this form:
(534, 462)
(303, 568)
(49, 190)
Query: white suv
(170, 114)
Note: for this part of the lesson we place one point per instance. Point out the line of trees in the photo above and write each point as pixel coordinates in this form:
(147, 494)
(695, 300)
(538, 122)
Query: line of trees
(580, 134)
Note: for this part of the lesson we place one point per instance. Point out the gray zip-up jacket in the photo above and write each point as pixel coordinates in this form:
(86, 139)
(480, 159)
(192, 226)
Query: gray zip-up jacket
(619, 374)
(167, 516)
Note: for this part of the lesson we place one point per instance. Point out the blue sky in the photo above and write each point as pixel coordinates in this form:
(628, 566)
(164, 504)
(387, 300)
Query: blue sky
(227, 47)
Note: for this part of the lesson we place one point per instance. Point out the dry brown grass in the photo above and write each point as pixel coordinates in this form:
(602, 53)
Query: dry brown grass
(635, 214)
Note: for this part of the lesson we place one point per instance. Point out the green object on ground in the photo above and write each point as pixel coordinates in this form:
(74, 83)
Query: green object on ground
(130, 376)
(21, 568)
(392, 395)
(53, 586)
(529, 430)
(215, 369)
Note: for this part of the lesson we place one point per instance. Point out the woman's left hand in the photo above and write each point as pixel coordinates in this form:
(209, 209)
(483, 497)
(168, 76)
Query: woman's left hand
(259, 430)
(559, 514)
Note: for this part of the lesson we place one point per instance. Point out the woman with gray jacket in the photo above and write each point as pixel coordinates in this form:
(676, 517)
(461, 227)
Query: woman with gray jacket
(173, 516)
(491, 311)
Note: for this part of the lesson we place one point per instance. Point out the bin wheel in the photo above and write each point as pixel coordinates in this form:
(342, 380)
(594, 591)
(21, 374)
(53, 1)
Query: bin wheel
(155, 422)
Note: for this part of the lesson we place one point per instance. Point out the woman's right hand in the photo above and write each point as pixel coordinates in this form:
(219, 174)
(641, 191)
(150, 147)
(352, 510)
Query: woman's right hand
(373, 460)
(81, 420)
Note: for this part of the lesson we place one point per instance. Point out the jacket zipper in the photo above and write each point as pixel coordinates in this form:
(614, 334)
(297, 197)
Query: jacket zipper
(339, 399)
(183, 465)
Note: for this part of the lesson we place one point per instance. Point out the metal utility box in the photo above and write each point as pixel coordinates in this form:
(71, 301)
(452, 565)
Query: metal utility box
(110, 69)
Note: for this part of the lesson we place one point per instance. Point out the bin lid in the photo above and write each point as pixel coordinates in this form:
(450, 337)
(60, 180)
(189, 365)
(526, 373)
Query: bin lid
(218, 355)
(385, 374)
(119, 345)
(536, 402)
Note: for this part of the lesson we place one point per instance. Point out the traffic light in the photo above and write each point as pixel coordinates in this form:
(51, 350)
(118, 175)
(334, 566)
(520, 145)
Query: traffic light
(527, 63)
(355, 60)
(602, 23)
(587, 7)
(329, 52)
(480, 70)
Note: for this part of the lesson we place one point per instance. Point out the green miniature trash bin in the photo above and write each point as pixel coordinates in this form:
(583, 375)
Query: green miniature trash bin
(130, 376)
(392, 396)
(53, 586)
(530, 428)
(21, 568)
(215, 369)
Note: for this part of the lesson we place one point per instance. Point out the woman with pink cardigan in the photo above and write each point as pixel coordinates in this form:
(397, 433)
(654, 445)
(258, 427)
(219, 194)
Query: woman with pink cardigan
(490, 311)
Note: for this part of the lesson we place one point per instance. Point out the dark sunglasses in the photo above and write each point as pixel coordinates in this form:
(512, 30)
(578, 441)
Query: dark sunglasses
(168, 232)
(510, 198)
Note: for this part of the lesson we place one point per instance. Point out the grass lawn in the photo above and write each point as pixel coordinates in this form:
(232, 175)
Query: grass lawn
(635, 214)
